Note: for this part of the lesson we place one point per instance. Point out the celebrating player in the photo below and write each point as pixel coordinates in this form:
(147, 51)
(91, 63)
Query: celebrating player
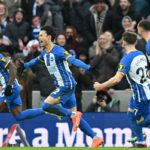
(10, 92)
(62, 101)
(144, 31)
(134, 66)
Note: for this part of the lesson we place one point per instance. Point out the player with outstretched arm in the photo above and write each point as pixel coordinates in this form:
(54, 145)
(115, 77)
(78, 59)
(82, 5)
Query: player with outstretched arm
(62, 101)
(135, 67)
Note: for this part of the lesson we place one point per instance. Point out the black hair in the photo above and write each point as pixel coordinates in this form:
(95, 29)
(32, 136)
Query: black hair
(101, 94)
(145, 24)
(129, 37)
(49, 31)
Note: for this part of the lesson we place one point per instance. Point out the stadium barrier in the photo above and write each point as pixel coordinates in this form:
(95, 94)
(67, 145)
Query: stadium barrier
(46, 130)
(87, 97)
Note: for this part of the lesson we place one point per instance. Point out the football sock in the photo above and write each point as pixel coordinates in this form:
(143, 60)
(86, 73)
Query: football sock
(57, 109)
(29, 113)
(136, 129)
(85, 127)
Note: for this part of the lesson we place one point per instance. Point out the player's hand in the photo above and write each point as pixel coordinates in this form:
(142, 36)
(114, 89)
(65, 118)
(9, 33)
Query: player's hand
(8, 90)
(21, 67)
(98, 86)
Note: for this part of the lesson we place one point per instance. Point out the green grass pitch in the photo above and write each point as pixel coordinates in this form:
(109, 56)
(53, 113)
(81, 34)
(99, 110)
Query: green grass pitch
(72, 148)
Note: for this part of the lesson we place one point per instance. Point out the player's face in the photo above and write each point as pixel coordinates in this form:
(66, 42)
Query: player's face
(140, 31)
(123, 44)
(44, 39)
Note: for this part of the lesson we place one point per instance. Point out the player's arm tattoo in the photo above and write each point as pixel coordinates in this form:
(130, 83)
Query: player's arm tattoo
(12, 73)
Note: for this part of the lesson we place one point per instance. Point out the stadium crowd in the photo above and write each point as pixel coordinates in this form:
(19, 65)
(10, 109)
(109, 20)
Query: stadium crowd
(90, 30)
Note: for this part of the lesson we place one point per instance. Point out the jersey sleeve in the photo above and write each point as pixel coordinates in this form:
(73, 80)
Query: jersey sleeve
(34, 61)
(124, 65)
(4, 61)
(63, 54)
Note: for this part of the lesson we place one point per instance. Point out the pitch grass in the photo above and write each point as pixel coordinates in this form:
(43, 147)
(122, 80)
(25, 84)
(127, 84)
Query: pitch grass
(72, 148)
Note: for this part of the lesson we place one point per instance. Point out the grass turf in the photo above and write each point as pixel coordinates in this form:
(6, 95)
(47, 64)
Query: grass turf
(71, 148)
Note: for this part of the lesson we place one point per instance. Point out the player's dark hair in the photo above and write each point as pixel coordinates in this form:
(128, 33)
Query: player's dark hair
(129, 37)
(50, 31)
(145, 24)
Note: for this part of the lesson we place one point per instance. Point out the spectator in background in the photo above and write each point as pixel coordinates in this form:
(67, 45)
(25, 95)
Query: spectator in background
(18, 31)
(42, 9)
(78, 11)
(103, 102)
(3, 17)
(36, 27)
(56, 7)
(93, 23)
(12, 5)
(128, 25)
(73, 40)
(113, 21)
(106, 59)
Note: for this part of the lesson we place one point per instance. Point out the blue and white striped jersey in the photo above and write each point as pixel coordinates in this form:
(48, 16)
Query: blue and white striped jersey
(148, 50)
(57, 65)
(4, 75)
(134, 66)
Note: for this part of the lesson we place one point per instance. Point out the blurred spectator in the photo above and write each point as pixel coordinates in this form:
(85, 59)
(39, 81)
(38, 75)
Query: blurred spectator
(105, 62)
(103, 102)
(12, 5)
(31, 47)
(128, 25)
(56, 7)
(5, 44)
(3, 17)
(73, 40)
(18, 31)
(78, 11)
(61, 40)
(50, 13)
(113, 21)
(42, 9)
(36, 27)
(93, 23)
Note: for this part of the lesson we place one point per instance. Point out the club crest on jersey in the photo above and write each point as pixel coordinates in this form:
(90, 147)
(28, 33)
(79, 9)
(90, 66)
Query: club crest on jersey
(66, 53)
(3, 59)
(121, 66)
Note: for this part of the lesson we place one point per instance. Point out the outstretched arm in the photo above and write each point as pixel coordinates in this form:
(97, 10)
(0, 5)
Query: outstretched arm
(32, 62)
(78, 63)
(111, 82)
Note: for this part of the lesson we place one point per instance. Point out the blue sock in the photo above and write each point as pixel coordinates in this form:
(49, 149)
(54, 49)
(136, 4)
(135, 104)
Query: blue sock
(136, 129)
(29, 113)
(85, 127)
(57, 109)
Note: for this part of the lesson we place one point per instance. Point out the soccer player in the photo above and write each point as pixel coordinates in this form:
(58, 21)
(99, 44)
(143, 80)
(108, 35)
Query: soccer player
(10, 92)
(134, 66)
(62, 101)
(144, 32)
